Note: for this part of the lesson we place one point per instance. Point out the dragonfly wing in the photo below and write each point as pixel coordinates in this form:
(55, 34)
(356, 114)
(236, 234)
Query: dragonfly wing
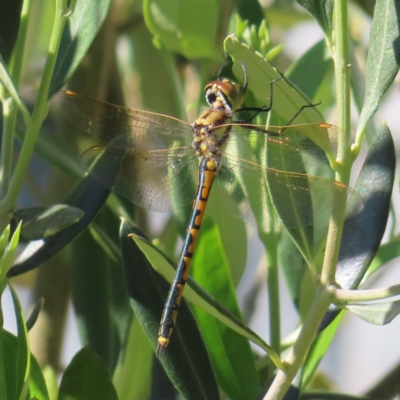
(299, 199)
(158, 181)
(106, 121)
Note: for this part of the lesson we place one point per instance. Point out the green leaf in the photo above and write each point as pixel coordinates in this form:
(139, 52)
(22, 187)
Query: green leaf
(37, 383)
(88, 195)
(50, 377)
(155, 75)
(41, 222)
(376, 313)
(287, 100)
(132, 377)
(322, 11)
(78, 34)
(12, 365)
(179, 26)
(86, 378)
(230, 352)
(383, 57)
(197, 295)
(9, 252)
(362, 234)
(186, 360)
(232, 232)
(16, 355)
(297, 211)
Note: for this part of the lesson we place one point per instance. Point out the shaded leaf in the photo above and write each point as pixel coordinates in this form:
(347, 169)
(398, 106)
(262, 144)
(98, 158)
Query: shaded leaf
(10, 14)
(31, 321)
(250, 11)
(86, 378)
(42, 222)
(185, 360)
(99, 296)
(88, 195)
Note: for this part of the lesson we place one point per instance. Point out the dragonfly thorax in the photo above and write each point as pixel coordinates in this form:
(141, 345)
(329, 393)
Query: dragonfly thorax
(210, 132)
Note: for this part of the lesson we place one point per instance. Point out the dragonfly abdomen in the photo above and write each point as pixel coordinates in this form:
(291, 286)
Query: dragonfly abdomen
(207, 171)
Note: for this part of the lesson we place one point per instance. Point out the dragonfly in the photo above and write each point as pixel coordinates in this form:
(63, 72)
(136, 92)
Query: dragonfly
(161, 159)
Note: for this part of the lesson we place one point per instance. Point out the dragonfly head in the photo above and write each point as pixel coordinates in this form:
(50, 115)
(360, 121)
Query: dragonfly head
(224, 94)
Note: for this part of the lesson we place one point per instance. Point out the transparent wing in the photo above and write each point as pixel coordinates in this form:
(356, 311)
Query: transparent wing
(257, 164)
(106, 122)
(152, 154)
(156, 180)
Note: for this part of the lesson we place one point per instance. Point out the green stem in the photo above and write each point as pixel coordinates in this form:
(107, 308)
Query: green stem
(9, 108)
(342, 87)
(271, 245)
(40, 111)
(298, 352)
(341, 295)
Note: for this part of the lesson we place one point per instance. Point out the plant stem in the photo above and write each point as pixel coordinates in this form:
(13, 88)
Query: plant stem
(40, 111)
(298, 352)
(9, 107)
(271, 245)
(342, 86)
(341, 295)
(322, 300)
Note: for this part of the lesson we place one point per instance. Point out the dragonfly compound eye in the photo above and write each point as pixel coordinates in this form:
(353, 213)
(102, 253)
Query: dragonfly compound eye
(223, 95)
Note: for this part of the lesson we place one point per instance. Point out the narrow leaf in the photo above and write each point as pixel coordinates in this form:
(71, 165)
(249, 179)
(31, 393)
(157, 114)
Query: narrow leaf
(321, 10)
(10, 14)
(42, 222)
(362, 234)
(200, 297)
(78, 35)
(185, 360)
(383, 59)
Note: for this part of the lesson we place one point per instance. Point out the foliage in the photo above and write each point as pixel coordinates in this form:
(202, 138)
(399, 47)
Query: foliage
(326, 239)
